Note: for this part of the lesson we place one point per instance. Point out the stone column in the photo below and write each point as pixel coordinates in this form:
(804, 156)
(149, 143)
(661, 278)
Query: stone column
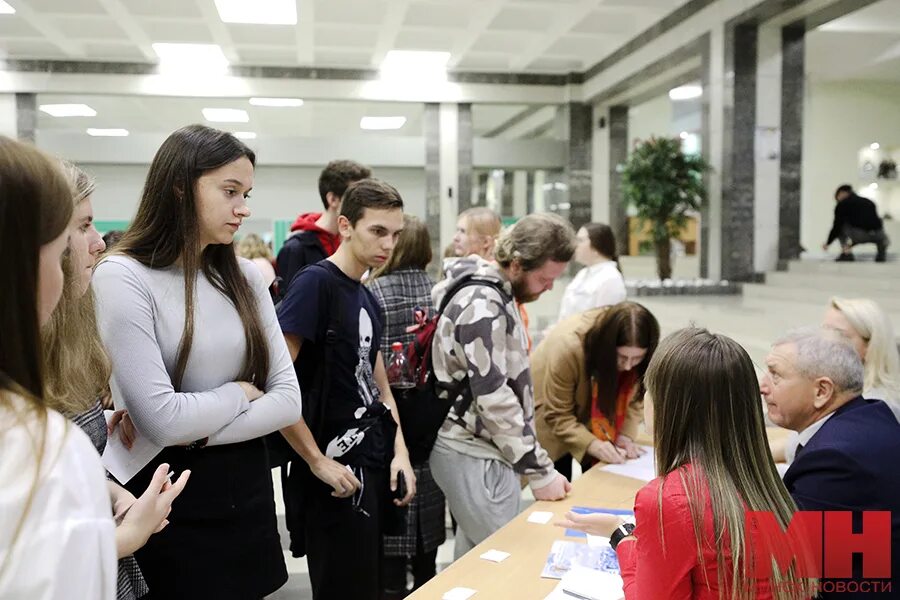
(26, 116)
(578, 164)
(792, 82)
(618, 155)
(464, 156)
(431, 133)
(738, 159)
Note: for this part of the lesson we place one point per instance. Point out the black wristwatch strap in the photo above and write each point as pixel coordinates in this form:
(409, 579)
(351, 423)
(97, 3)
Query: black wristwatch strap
(621, 532)
(197, 444)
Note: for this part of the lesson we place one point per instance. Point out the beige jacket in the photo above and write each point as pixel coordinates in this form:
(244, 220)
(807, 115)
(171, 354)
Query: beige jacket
(562, 390)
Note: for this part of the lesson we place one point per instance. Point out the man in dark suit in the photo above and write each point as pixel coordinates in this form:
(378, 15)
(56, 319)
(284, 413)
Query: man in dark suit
(849, 446)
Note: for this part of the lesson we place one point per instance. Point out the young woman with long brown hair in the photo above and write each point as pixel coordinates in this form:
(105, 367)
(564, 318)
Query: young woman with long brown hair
(713, 465)
(401, 286)
(588, 384)
(201, 366)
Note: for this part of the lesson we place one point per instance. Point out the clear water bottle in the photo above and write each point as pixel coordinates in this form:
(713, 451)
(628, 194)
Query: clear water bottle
(398, 371)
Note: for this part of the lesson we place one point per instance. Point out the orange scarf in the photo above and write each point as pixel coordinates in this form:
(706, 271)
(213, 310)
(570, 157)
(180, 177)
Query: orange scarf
(524, 314)
(602, 426)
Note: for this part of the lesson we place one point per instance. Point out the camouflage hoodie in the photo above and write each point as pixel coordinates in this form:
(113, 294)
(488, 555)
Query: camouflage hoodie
(480, 343)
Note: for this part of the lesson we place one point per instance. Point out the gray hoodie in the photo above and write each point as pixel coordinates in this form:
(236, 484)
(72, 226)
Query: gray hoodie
(480, 342)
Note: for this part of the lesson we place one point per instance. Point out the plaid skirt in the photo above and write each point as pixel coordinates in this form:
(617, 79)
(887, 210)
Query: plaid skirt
(424, 518)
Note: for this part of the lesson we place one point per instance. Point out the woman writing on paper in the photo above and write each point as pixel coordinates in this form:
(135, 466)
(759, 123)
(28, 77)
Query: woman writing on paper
(201, 366)
(713, 466)
(588, 384)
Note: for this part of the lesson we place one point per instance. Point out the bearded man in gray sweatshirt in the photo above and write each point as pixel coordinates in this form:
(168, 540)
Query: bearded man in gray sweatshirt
(480, 357)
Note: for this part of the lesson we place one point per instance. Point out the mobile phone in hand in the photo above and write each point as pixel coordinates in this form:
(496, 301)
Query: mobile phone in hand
(400, 492)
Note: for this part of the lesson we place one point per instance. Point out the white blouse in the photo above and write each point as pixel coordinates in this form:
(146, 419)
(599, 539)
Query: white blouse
(593, 287)
(66, 546)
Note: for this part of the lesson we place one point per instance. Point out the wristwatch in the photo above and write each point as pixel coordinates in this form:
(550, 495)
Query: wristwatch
(197, 444)
(621, 532)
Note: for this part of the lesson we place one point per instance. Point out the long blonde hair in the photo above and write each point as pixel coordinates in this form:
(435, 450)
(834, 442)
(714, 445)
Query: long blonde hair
(76, 364)
(882, 362)
(484, 223)
(707, 414)
(252, 246)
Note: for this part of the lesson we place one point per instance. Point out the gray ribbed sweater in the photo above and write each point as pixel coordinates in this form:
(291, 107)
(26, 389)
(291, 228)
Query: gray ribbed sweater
(140, 313)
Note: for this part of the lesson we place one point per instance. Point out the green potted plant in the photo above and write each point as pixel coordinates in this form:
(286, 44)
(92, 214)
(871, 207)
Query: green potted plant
(663, 184)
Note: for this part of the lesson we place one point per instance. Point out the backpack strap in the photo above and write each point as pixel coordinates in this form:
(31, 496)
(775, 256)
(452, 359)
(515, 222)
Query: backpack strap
(327, 336)
(470, 281)
(460, 393)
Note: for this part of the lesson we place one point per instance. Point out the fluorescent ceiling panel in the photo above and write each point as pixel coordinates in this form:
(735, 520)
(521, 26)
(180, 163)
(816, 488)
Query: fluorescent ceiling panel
(191, 57)
(226, 115)
(68, 110)
(382, 123)
(415, 65)
(686, 92)
(107, 132)
(276, 102)
(258, 12)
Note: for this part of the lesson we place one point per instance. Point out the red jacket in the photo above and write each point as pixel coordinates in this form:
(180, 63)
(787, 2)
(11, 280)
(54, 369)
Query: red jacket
(307, 222)
(651, 572)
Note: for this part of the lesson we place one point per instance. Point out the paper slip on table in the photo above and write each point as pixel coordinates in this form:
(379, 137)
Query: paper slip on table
(519, 576)
(528, 544)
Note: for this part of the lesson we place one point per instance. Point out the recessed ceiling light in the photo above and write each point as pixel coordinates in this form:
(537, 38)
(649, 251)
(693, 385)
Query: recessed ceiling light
(107, 132)
(415, 65)
(380, 123)
(874, 145)
(245, 135)
(226, 115)
(258, 12)
(6, 9)
(68, 110)
(686, 92)
(277, 102)
(191, 57)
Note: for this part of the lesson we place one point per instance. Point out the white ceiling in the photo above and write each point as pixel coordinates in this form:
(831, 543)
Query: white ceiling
(864, 44)
(547, 36)
(315, 119)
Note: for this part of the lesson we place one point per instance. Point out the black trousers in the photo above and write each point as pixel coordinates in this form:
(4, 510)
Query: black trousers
(851, 236)
(423, 565)
(344, 547)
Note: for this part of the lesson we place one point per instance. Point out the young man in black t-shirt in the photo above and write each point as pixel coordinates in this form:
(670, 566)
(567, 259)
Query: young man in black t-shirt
(349, 436)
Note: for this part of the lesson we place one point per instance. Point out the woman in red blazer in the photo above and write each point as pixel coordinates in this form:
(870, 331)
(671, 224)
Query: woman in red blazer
(713, 462)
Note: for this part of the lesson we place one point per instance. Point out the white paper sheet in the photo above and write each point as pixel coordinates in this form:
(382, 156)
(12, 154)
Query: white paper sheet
(541, 517)
(459, 593)
(601, 586)
(592, 585)
(496, 556)
(123, 463)
(643, 468)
